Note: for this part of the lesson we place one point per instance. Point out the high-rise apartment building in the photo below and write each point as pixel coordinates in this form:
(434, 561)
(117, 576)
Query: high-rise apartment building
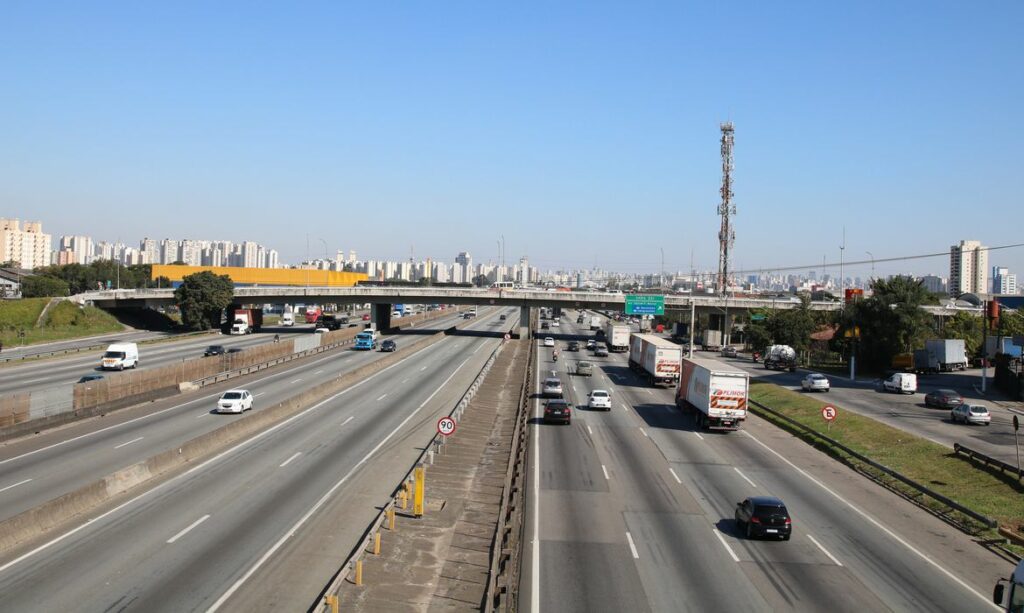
(80, 250)
(934, 284)
(26, 245)
(1003, 282)
(968, 268)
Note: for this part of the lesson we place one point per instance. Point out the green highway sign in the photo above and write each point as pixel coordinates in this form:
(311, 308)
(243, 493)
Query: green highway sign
(757, 317)
(645, 304)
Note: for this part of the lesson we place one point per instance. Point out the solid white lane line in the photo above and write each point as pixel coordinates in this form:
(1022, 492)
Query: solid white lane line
(744, 477)
(644, 432)
(678, 480)
(186, 530)
(327, 495)
(825, 551)
(632, 547)
(134, 440)
(285, 463)
(605, 471)
(382, 397)
(699, 436)
(297, 380)
(874, 522)
(348, 419)
(4, 489)
(721, 539)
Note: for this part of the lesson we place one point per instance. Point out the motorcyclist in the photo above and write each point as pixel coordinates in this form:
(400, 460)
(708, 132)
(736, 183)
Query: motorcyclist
(554, 355)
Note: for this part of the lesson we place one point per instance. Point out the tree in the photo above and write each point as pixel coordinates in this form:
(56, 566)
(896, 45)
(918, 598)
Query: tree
(10, 264)
(42, 286)
(202, 298)
(1011, 323)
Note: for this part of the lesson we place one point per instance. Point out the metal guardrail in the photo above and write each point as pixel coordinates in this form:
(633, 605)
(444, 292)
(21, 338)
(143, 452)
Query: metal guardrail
(56, 352)
(987, 521)
(988, 460)
(239, 372)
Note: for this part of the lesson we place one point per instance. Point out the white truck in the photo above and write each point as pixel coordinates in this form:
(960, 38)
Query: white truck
(657, 358)
(119, 356)
(947, 353)
(1008, 594)
(616, 336)
(595, 323)
(716, 391)
(711, 340)
(288, 318)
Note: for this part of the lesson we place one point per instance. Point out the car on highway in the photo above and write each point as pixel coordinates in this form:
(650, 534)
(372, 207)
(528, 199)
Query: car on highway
(971, 414)
(558, 410)
(601, 351)
(943, 399)
(764, 516)
(544, 325)
(88, 378)
(552, 388)
(234, 401)
(321, 330)
(900, 383)
(729, 352)
(502, 317)
(591, 344)
(573, 346)
(815, 382)
(584, 369)
(388, 345)
(468, 316)
(549, 341)
(599, 399)
(366, 317)
(556, 324)
(215, 350)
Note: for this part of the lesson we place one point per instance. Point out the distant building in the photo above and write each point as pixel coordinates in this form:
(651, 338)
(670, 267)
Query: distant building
(462, 270)
(28, 246)
(1003, 282)
(968, 268)
(934, 284)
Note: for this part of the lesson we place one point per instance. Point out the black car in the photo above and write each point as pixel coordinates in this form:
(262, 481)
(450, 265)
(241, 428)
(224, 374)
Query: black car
(467, 316)
(88, 378)
(545, 326)
(503, 318)
(764, 516)
(573, 346)
(943, 399)
(388, 345)
(215, 350)
(558, 410)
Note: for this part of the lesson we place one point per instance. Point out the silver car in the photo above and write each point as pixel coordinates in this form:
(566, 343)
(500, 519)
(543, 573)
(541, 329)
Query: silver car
(815, 383)
(552, 387)
(971, 414)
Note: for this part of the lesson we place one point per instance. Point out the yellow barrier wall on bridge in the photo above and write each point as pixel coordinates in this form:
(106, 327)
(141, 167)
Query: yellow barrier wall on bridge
(265, 276)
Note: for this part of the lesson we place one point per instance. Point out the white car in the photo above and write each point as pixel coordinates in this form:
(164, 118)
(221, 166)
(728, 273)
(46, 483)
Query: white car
(234, 401)
(815, 383)
(599, 399)
(555, 324)
(549, 342)
(971, 414)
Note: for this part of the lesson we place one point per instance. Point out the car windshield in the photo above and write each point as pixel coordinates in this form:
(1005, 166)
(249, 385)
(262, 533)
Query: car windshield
(113, 354)
(231, 396)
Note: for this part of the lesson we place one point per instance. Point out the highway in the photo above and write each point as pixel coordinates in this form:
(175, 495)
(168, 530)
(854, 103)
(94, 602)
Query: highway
(40, 468)
(632, 510)
(247, 526)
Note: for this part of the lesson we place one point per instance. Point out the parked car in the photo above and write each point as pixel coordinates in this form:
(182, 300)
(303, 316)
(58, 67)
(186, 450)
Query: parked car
(943, 399)
(388, 345)
(552, 388)
(584, 369)
(901, 383)
(573, 346)
(815, 382)
(215, 350)
(599, 399)
(549, 341)
(558, 410)
(729, 352)
(88, 378)
(971, 414)
(764, 516)
(601, 351)
(234, 401)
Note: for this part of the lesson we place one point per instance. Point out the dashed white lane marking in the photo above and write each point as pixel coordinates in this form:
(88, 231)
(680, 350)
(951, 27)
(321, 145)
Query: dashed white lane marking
(589, 430)
(825, 551)
(186, 530)
(4, 489)
(404, 380)
(423, 368)
(721, 539)
(632, 547)
(134, 440)
(296, 380)
(381, 397)
(203, 414)
(644, 432)
(285, 463)
(348, 419)
(699, 436)
(744, 477)
(318, 372)
(258, 394)
(605, 471)
(650, 392)
(678, 480)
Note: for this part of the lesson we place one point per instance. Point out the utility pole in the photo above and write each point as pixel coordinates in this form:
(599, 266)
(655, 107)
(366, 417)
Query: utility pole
(842, 282)
(726, 235)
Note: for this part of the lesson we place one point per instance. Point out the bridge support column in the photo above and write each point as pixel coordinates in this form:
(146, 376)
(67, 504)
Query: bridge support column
(381, 315)
(524, 322)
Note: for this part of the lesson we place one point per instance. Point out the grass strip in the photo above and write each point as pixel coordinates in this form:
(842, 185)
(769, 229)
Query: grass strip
(64, 321)
(935, 466)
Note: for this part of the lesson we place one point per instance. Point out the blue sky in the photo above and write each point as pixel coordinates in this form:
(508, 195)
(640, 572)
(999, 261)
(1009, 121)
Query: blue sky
(586, 134)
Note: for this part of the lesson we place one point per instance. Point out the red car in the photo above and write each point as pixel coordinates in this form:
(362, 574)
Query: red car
(366, 317)
(558, 410)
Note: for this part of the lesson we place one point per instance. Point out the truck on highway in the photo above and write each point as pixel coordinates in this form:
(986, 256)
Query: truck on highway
(312, 314)
(244, 321)
(681, 332)
(711, 340)
(616, 336)
(366, 341)
(1014, 600)
(780, 357)
(595, 323)
(715, 391)
(657, 358)
(1004, 344)
(331, 321)
(119, 356)
(947, 353)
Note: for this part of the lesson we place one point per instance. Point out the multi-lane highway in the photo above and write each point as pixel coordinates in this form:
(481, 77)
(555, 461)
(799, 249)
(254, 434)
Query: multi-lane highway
(248, 526)
(632, 510)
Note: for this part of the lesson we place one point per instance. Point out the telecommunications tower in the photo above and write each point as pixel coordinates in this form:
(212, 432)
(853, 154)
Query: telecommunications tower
(726, 235)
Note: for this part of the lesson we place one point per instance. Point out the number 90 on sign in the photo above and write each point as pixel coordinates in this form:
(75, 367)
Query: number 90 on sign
(445, 426)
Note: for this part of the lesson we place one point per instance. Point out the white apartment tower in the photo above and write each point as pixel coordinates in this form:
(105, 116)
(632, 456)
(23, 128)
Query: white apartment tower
(1003, 282)
(29, 246)
(968, 268)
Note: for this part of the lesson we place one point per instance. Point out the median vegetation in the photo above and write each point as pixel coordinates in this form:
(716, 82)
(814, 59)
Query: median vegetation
(65, 320)
(930, 464)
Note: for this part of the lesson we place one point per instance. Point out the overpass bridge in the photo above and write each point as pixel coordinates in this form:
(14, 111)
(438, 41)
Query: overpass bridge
(384, 297)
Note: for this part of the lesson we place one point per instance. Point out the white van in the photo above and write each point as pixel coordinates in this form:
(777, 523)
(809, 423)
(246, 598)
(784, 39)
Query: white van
(901, 383)
(287, 318)
(120, 356)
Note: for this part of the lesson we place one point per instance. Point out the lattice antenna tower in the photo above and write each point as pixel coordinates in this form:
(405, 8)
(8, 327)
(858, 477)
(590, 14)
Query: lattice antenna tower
(726, 235)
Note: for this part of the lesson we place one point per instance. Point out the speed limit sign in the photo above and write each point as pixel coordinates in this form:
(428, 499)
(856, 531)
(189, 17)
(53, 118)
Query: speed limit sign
(445, 426)
(828, 412)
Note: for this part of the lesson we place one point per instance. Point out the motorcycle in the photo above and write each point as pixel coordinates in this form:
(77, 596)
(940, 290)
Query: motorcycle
(757, 356)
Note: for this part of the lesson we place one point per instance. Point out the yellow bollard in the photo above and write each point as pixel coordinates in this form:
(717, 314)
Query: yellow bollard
(376, 544)
(403, 499)
(359, 572)
(332, 603)
(391, 518)
(417, 501)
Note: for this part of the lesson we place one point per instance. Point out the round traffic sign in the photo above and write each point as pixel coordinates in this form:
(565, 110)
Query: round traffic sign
(829, 412)
(445, 426)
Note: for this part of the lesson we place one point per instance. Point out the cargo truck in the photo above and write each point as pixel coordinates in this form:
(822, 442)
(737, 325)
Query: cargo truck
(1003, 344)
(595, 323)
(330, 321)
(312, 314)
(656, 358)
(780, 357)
(948, 353)
(715, 391)
(366, 341)
(616, 336)
(244, 321)
(711, 340)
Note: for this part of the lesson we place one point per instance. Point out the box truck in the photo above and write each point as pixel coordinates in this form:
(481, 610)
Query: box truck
(711, 340)
(244, 321)
(616, 336)
(656, 358)
(595, 323)
(716, 392)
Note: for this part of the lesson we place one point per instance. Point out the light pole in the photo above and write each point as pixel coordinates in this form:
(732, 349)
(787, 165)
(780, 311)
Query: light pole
(327, 266)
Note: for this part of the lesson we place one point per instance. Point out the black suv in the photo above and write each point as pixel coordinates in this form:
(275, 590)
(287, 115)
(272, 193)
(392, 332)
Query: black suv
(764, 516)
(215, 350)
(573, 346)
